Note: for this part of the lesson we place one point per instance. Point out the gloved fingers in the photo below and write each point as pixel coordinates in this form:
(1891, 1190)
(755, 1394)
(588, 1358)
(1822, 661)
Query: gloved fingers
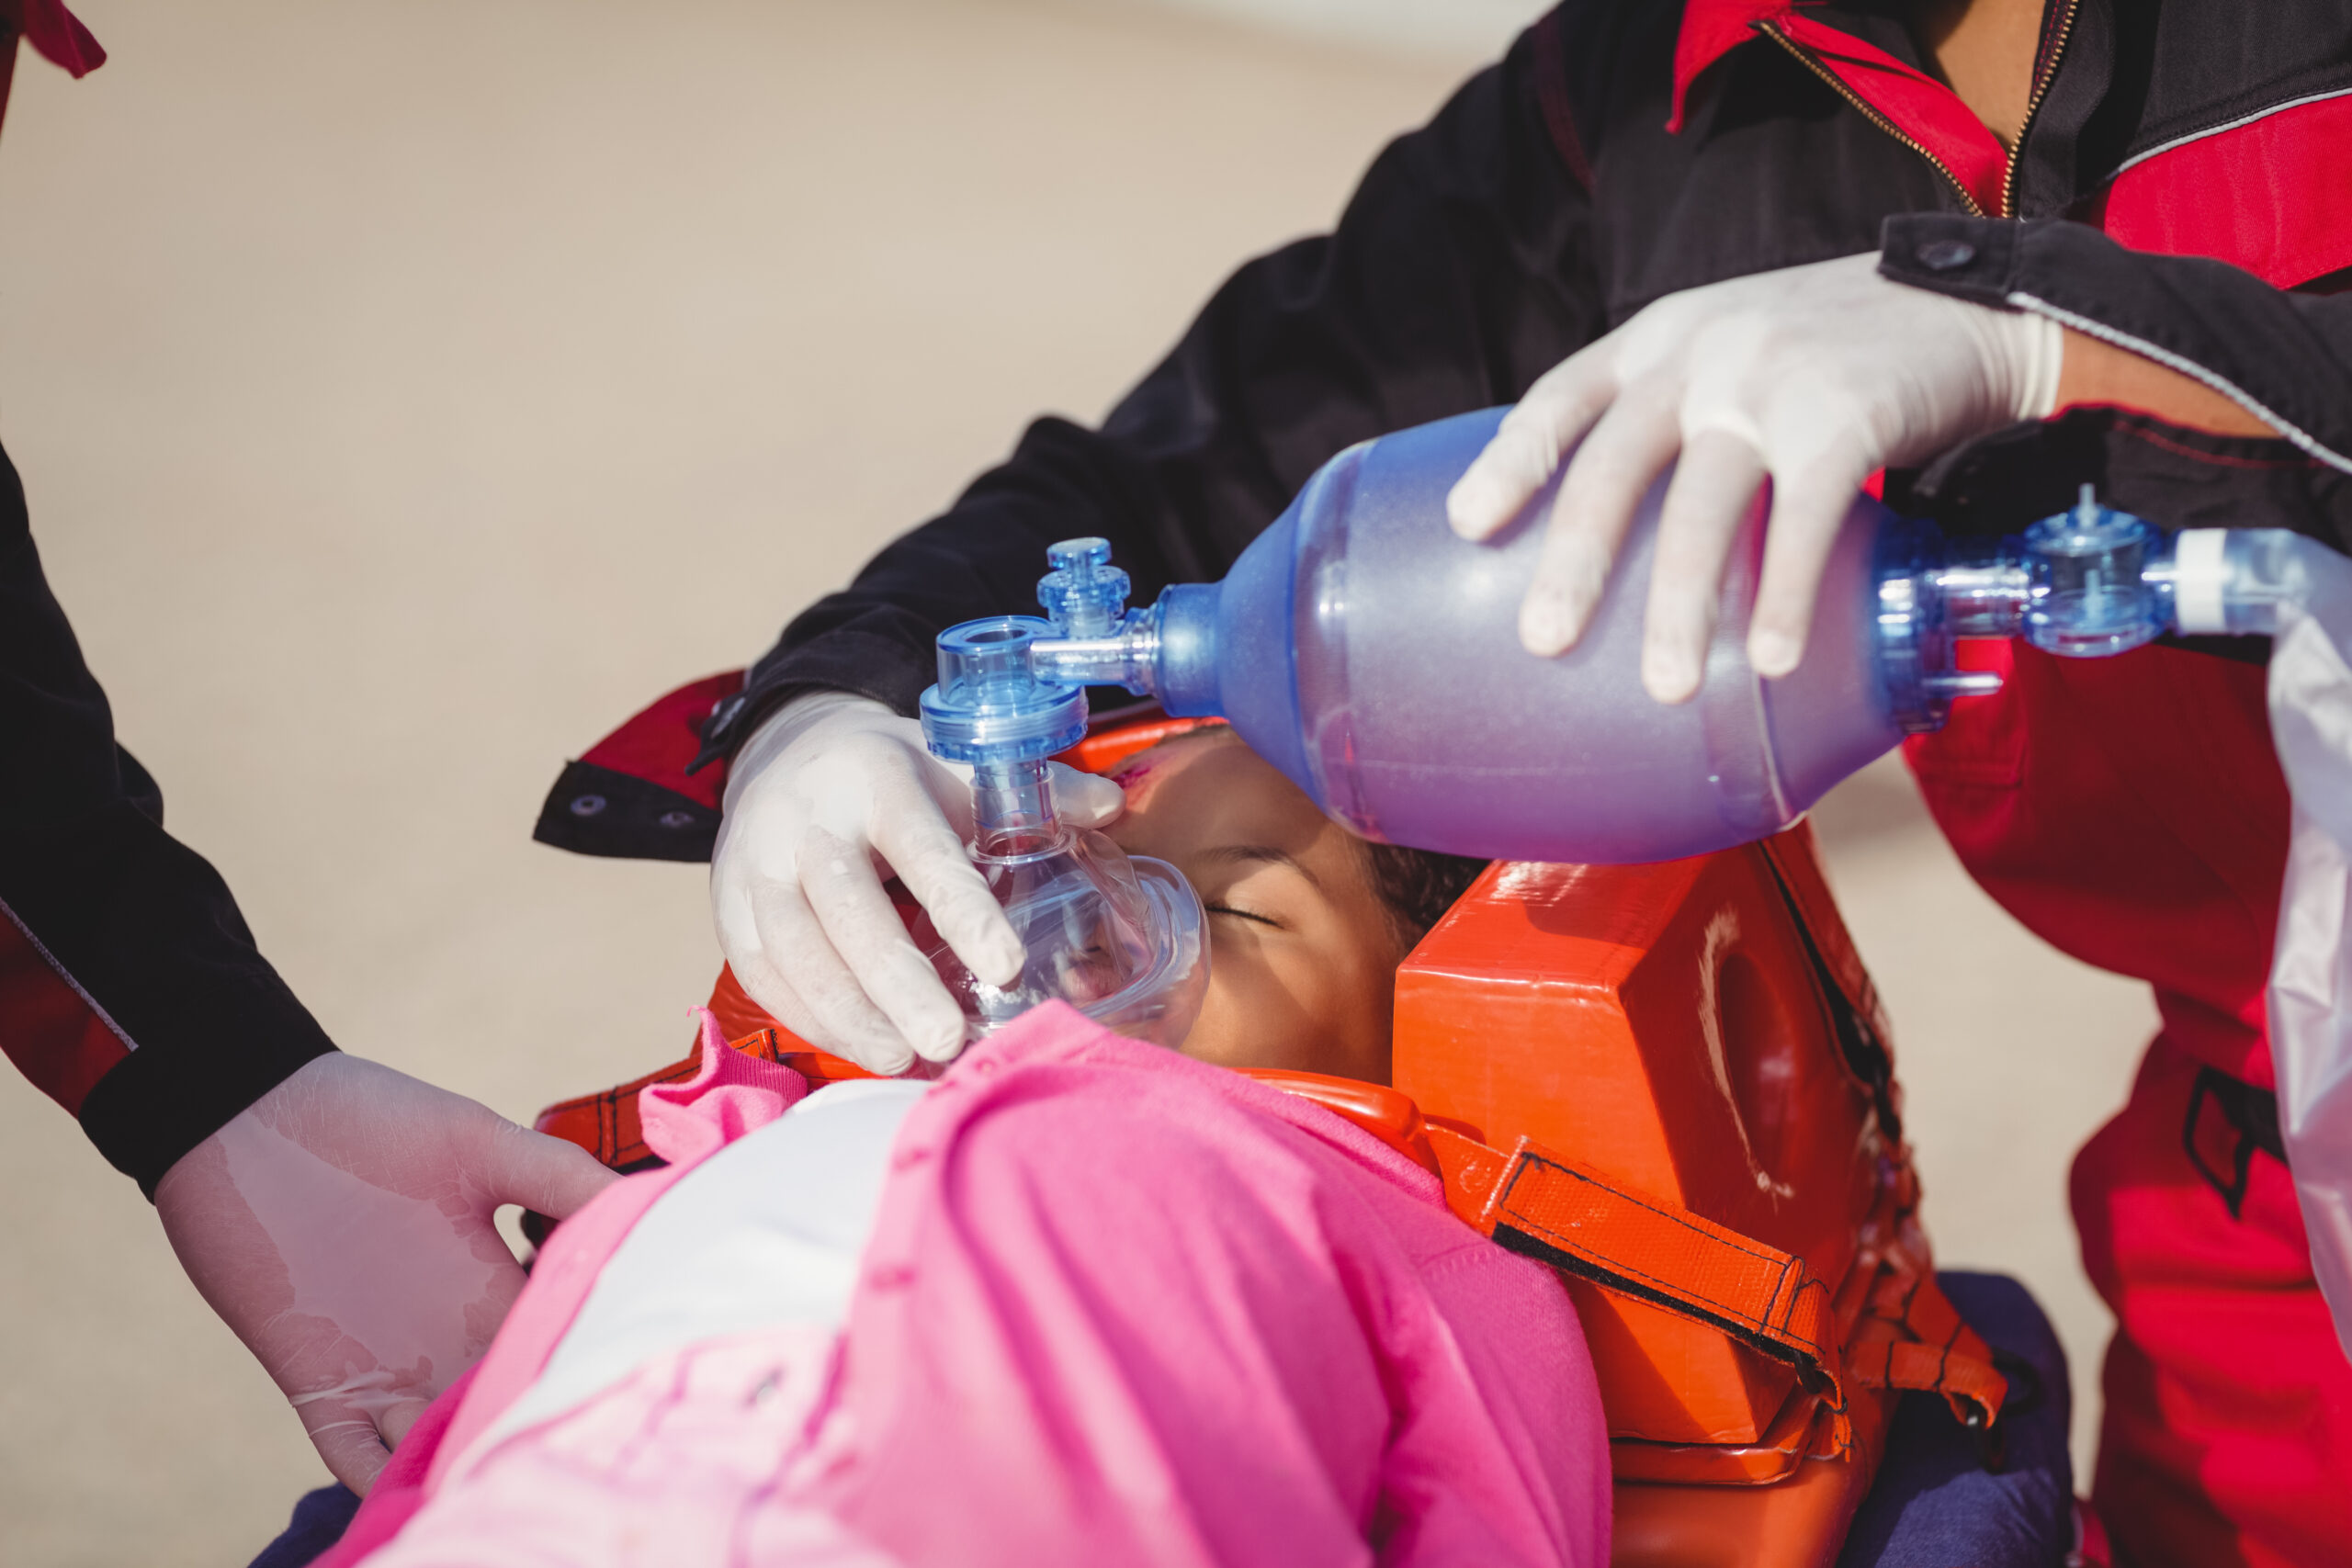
(353, 1451)
(547, 1175)
(1086, 800)
(1591, 514)
(1713, 484)
(763, 980)
(949, 784)
(841, 1018)
(767, 985)
(758, 968)
(865, 926)
(1808, 510)
(739, 938)
(1529, 443)
(909, 829)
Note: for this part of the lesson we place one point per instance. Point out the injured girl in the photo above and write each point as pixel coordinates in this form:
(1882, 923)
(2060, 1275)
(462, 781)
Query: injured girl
(1081, 1299)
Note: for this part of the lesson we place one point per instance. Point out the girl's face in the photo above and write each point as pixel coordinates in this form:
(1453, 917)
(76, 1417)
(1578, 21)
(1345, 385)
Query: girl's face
(1303, 955)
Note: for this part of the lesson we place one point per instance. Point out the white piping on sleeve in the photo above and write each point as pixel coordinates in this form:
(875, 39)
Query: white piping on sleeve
(67, 975)
(2187, 368)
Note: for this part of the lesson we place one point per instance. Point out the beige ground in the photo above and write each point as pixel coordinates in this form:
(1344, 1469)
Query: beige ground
(406, 391)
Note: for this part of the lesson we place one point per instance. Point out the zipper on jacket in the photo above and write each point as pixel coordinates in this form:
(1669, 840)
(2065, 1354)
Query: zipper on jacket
(2033, 107)
(2009, 164)
(1804, 57)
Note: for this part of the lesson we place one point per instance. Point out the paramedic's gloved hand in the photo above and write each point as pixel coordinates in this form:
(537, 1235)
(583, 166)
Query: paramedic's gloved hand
(1813, 376)
(341, 1227)
(832, 794)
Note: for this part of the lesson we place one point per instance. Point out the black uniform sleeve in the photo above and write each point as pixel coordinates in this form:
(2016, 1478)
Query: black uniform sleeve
(2284, 356)
(1457, 275)
(131, 990)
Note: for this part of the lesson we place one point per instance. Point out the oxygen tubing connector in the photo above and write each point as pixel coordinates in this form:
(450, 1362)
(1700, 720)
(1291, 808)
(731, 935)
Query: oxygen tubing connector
(1098, 641)
(2088, 583)
(1166, 649)
(991, 710)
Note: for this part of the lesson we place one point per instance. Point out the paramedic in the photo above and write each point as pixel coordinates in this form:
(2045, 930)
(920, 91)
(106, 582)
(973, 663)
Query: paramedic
(336, 1213)
(2041, 185)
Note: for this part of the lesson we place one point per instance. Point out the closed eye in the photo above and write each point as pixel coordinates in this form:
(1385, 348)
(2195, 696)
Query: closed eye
(1243, 914)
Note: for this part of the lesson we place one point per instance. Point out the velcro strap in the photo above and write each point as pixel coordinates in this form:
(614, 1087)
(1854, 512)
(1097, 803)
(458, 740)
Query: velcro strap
(1574, 1218)
(1570, 1216)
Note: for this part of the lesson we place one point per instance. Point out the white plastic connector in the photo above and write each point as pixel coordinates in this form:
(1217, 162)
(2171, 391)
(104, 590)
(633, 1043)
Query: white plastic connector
(2200, 574)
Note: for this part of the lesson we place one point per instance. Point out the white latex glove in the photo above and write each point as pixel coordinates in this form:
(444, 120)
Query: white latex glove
(341, 1227)
(1813, 376)
(832, 794)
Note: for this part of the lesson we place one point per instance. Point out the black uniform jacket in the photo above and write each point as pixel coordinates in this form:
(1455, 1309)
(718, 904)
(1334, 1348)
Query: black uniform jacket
(130, 992)
(1626, 149)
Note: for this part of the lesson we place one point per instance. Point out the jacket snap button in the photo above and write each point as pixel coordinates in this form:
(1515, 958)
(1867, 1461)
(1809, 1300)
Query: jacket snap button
(587, 805)
(676, 818)
(1942, 256)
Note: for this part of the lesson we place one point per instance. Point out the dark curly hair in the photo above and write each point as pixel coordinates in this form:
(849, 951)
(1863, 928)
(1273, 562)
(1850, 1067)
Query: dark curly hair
(1418, 886)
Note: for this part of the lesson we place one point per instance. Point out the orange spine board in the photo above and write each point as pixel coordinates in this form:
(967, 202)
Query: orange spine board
(1663, 1022)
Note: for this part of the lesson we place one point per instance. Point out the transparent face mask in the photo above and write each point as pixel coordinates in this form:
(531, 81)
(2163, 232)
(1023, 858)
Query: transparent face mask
(1121, 938)
(1118, 937)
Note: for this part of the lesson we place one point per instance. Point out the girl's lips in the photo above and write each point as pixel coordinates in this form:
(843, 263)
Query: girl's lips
(1131, 777)
(1131, 773)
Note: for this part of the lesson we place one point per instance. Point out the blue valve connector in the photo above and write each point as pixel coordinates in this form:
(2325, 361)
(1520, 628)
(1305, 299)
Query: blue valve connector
(2091, 591)
(1084, 596)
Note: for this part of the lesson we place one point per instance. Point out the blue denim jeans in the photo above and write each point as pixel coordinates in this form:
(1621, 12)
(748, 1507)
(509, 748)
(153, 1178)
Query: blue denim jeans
(320, 1519)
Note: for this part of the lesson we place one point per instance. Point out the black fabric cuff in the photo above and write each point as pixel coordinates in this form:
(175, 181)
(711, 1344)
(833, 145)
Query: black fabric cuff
(601, 811)
(161, 1101)
(2286, 357)
(1951, 253)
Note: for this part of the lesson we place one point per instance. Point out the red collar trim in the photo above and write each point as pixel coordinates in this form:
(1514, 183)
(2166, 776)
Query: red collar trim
(1916, 104)
(1711, 29)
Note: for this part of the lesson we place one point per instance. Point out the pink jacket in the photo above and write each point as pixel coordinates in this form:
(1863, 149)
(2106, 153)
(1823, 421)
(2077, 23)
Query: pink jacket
(1119, 1306)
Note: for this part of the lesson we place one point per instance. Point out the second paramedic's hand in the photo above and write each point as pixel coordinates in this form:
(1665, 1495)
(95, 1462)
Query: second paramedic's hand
(830, 795)
(341, 1227)
(1813, 376)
